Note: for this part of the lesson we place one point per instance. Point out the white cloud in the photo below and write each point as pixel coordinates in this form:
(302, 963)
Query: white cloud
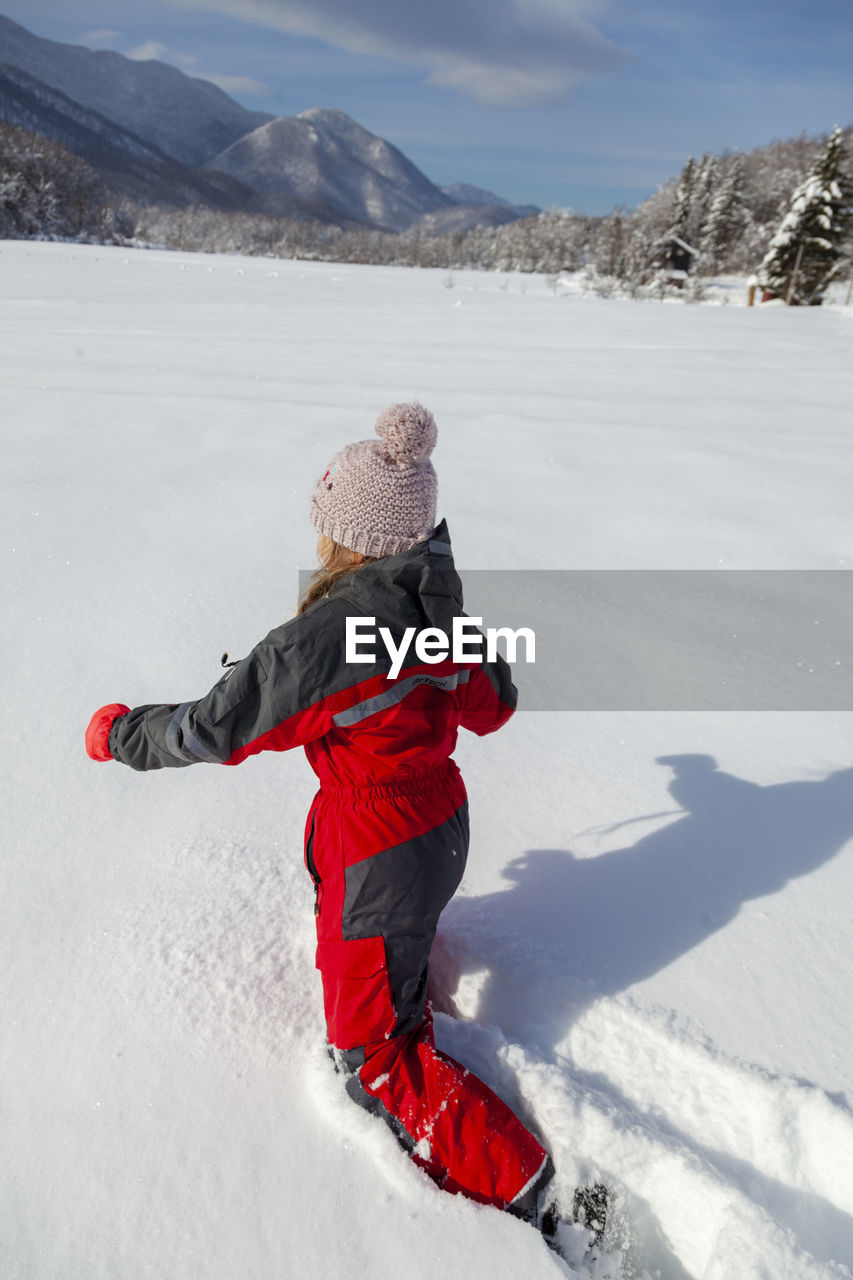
(509, 87)
(500, 52)
(245, 85)
(152, 50)
(99, 39)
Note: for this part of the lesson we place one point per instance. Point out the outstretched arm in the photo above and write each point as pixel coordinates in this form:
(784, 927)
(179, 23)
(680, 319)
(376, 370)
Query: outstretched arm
(268, 701)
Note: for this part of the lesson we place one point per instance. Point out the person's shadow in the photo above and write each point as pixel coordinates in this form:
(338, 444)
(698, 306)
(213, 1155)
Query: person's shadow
(573, 929)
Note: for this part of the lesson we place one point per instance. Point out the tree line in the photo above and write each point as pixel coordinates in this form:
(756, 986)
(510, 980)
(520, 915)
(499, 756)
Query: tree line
(48, 193)
(783, 212)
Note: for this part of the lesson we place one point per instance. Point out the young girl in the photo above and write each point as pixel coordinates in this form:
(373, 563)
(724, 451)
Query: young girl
(387, 835)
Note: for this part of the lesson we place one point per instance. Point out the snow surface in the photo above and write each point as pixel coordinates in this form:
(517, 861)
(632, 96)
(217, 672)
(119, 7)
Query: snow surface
(651, 954)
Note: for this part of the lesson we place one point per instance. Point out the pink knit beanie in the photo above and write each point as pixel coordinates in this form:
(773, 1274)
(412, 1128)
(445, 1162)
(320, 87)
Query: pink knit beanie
(378, 496)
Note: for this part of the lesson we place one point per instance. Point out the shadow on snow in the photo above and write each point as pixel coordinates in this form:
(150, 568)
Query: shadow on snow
(571, 930)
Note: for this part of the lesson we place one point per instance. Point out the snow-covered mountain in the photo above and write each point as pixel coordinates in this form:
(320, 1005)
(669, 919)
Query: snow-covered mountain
(464, 217)
(127, 163)
(190, 120)
(463, 193)
(149, 129)
(324, 157)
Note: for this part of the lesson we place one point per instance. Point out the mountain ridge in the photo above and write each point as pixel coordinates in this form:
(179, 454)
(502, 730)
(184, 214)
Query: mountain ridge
(469, 196)
(128, 164)
(144, 97)
(158, 135)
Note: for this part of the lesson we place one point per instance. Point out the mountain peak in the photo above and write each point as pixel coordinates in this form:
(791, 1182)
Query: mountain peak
(327, 115)
(327, 159)
(339, 125)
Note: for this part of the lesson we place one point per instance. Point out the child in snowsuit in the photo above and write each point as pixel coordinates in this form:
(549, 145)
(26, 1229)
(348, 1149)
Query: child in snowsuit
(387, 835)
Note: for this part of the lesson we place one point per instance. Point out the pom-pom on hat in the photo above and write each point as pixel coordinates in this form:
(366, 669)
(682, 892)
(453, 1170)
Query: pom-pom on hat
(377, 497)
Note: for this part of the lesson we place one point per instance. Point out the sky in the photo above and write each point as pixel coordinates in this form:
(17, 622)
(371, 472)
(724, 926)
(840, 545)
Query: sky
(585, 104)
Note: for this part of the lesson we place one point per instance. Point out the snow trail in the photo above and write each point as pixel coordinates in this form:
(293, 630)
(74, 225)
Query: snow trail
(683, 1207)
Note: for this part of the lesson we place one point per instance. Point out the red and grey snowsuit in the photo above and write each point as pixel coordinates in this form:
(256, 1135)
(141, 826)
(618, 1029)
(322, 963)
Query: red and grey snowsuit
(386, 842)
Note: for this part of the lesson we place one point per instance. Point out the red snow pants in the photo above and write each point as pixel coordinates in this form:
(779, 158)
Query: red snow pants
(385, 860)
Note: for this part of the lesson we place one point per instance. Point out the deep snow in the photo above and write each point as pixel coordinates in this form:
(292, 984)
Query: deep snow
(652, 943)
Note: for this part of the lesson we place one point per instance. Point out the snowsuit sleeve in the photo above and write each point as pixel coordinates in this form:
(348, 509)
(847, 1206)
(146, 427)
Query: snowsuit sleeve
(270, 701)
(490, 697)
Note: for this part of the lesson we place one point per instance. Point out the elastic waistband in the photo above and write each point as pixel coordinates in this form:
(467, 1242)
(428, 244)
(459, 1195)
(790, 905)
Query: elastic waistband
(406, 785)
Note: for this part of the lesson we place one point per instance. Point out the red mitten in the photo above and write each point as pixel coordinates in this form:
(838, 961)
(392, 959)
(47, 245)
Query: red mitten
(98, 732)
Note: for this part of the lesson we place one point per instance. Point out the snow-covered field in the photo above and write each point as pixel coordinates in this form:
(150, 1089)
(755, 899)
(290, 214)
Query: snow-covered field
(651, 954)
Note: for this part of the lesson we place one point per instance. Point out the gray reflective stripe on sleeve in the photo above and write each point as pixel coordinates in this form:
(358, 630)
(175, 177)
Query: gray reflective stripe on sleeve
(396, 693)
(439, 548)
(191, 749)
(172, 733)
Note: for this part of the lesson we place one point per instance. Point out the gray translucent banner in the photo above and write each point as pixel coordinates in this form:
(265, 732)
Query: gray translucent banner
(675, 640)
(672, 640)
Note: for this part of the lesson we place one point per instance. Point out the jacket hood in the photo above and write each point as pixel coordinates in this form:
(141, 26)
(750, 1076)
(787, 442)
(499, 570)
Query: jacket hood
(417, 588)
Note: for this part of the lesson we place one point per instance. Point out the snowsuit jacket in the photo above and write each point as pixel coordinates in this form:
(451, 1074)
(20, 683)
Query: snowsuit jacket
(387, 835)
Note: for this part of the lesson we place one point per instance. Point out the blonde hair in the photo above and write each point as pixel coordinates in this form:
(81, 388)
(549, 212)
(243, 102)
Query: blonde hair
(336, 563)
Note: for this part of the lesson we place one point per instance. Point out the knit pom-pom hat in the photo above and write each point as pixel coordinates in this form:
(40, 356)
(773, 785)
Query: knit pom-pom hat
(377, 497)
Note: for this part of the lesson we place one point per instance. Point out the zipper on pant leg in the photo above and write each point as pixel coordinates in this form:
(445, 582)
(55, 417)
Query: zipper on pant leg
(312, 870)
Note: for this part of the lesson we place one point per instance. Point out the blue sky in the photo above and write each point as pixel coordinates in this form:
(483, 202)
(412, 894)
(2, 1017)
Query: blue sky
(579, 103)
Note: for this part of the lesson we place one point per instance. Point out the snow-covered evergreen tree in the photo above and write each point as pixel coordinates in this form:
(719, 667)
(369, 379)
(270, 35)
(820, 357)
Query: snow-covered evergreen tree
(693, 198)
(640, 255)
(725, 219)
(685, 196)
(807, 250)
(707, 186)
(611, 245)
